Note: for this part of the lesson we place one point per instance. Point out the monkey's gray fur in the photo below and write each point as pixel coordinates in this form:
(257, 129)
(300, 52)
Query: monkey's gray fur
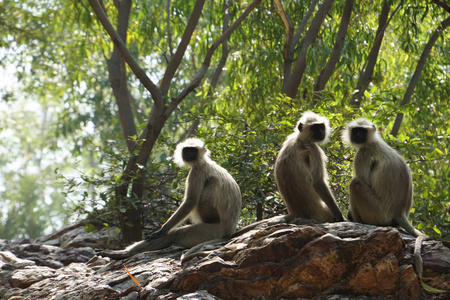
(382, 190)
(300, 171)
(212, 201)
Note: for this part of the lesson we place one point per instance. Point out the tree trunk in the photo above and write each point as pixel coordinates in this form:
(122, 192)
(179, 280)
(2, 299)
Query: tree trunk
(415, 78)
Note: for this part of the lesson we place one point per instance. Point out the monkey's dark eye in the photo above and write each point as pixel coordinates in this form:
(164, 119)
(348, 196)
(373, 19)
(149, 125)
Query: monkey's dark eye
(300, 127)
(190, 154)
(359, 135)
(318, 131)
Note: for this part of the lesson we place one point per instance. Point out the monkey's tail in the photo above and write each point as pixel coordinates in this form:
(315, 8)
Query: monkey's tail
(418, 261)
(273, 220)
(420, 237)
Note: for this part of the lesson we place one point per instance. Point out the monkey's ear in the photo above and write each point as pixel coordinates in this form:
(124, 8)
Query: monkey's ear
(300, 126)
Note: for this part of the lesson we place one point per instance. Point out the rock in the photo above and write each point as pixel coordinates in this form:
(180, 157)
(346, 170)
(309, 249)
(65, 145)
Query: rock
(9, 261)
(46, 255)
(75, 235)
(273, 261)
(200, 295)
(25, 277)
(285, 261)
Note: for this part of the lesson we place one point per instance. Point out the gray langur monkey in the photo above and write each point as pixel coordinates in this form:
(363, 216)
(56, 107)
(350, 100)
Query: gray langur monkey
(300, 171)
(382, 190)
(212, 201)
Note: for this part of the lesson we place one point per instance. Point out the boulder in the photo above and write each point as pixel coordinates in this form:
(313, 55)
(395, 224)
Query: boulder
(296, 260)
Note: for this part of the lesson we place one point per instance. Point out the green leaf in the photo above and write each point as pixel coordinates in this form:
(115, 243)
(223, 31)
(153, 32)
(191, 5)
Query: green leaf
(431, 289)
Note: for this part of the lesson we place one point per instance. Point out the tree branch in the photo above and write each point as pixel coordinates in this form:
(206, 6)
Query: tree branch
(442, 4)
(179, 53)
(121, 47)
(416, 76)
(207, 61)
(169, 31)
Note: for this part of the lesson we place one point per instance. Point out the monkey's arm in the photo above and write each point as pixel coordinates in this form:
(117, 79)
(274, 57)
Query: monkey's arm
(325, 193)
(367, 204)
(194, 187)
(317, 161)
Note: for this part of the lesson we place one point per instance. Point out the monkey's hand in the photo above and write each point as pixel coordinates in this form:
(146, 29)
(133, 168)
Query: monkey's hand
(355, 183)
(155, 235)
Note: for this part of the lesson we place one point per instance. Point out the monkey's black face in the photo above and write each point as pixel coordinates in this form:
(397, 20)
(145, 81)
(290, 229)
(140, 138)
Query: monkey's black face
(190, 154)
(359, 135)
(318, 131)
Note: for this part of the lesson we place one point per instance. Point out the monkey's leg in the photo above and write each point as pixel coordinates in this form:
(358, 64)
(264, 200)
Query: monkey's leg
(185, 236)
(367, 205)
(138, 247)
(353, 214)
(192, 235)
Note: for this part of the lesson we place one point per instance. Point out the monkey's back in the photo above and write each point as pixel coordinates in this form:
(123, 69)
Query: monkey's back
(387, 173)
(221, 194)
(294, 178)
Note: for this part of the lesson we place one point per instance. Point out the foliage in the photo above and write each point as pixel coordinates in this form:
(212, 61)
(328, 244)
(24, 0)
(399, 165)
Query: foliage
(30, 160)
(244, 121)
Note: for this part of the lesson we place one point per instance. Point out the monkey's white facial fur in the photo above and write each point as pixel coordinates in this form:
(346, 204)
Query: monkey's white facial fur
(359, 132)
(190, 152)
(312, 127)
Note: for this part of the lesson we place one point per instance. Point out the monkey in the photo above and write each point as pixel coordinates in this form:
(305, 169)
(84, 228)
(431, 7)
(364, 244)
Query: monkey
(212, 201)
(300, 172)
(381, 191)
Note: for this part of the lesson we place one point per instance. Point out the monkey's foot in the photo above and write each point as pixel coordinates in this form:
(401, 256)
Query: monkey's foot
(119, 254)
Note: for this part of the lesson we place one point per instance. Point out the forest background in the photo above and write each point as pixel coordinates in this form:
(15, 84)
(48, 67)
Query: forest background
(96, 94)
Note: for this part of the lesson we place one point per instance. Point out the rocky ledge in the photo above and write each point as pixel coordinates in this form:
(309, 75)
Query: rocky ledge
(292, 260)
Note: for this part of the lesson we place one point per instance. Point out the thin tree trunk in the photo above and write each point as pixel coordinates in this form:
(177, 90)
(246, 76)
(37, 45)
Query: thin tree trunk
(292, 42)
(416, 76)
(118, 78)
(300, 65)
(326, 72)
(366, 74)
(288, 59)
